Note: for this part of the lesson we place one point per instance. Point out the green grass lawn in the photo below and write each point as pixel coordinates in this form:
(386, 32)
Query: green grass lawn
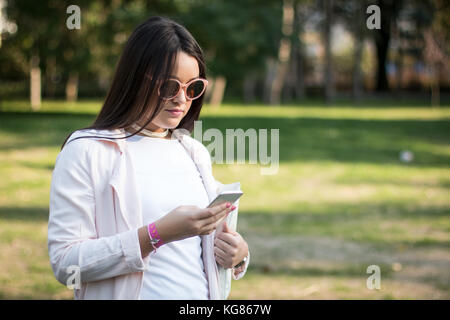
(341, 200)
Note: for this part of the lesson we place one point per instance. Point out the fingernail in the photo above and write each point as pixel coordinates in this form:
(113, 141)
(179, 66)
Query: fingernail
(228, 204)
(233, 207)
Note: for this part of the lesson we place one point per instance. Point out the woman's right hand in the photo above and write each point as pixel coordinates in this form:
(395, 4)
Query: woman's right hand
(188, 221)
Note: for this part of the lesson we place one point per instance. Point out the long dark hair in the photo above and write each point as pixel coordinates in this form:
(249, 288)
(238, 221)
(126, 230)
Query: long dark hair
(147, 59)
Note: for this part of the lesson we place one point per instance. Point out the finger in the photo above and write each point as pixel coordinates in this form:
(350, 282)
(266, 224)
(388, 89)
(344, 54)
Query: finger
(220, 260)
(229, 239)
(211, 212)
(220, 252)
(223, 262)
(220, 207)
(209, 228)
(225, 227)
(220, 225)
(206, 232)
(215, 219)
(223, 245)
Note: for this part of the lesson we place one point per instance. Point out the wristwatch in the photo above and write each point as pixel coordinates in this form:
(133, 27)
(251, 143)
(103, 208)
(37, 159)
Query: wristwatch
(241, 263)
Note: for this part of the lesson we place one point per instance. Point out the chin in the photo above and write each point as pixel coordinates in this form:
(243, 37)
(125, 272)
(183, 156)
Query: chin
(172, 124)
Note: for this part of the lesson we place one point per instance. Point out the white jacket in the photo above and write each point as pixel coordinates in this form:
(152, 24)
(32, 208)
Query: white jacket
(95, 213)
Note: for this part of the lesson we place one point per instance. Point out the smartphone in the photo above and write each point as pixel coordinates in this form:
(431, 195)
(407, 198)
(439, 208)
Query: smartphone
(226, 196)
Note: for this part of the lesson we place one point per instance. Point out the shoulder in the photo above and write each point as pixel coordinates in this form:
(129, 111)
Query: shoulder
(82, 145)
(78, 143)
(90, 138)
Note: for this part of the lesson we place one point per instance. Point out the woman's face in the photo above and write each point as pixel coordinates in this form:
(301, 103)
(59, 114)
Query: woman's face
(185, 69)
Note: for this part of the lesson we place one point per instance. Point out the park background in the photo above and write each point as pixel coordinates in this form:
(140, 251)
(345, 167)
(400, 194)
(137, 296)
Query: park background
(363, 116)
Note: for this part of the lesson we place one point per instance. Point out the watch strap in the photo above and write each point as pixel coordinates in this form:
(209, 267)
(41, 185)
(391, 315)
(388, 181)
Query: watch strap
(241, 263)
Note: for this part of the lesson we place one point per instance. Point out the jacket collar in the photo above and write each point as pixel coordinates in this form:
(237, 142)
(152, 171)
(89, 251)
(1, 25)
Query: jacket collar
(181, 135)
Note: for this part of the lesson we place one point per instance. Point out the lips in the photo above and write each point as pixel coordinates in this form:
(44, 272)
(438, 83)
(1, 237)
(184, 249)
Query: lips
(175, 112)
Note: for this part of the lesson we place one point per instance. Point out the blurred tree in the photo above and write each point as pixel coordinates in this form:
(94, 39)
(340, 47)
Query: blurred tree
(421, 35)
(437, 47)
(43, 41)
(328, 7)
(111, 23)
(359, 34)
(389, 13)
(237, 36)
(352, 13)
(29, 47)
(284, 52)
(68, 56)
(252, 47)
(294, 87)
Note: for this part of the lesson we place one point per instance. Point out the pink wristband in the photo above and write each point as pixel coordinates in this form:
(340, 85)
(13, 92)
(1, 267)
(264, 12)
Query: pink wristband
(155, 240)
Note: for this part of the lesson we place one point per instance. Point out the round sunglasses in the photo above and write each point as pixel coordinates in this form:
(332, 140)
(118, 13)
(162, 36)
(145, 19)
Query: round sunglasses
(170, 88)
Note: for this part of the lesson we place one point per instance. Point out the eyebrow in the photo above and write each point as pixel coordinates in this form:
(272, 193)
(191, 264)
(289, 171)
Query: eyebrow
(186, 81)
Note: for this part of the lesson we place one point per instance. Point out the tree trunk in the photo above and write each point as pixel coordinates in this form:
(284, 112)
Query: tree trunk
(300, 82)
(399, 59)
(329, 77)
(271, 70)
(249, 88)
(358, 80)
(294, 87)
(382, 44)
(287, 91)
(435, 96)
(436, 59)
(382, 38)
(72, 87)
(400, 70)
(35, 82)
(50, 73)
(284, 53)
(218, 91)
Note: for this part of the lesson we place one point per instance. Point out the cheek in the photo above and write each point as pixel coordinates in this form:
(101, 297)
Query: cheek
(188, 107)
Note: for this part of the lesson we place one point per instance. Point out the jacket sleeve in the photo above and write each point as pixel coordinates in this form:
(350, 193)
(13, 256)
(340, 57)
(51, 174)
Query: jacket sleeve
(237, 276)
(72, 241)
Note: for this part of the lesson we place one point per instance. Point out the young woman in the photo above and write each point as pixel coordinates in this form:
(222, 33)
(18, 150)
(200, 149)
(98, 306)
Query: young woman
(129, 194)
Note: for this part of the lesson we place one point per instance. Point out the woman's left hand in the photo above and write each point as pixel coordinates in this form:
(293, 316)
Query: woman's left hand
(229, 246)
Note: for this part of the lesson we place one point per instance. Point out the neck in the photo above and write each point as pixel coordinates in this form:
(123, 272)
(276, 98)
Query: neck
(158, 130)
(159, 133)
(152, 128)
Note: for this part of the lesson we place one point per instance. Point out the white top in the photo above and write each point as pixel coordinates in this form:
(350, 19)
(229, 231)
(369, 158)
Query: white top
(167, 178)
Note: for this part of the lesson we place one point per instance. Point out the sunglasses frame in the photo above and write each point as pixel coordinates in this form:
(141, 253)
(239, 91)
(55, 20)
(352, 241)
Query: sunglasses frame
(184, 87)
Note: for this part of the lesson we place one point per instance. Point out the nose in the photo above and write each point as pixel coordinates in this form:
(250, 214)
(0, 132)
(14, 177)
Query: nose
(181, 97)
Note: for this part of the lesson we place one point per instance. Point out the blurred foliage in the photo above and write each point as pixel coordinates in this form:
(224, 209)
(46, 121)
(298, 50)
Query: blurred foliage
(94, 49)
(238, 37)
